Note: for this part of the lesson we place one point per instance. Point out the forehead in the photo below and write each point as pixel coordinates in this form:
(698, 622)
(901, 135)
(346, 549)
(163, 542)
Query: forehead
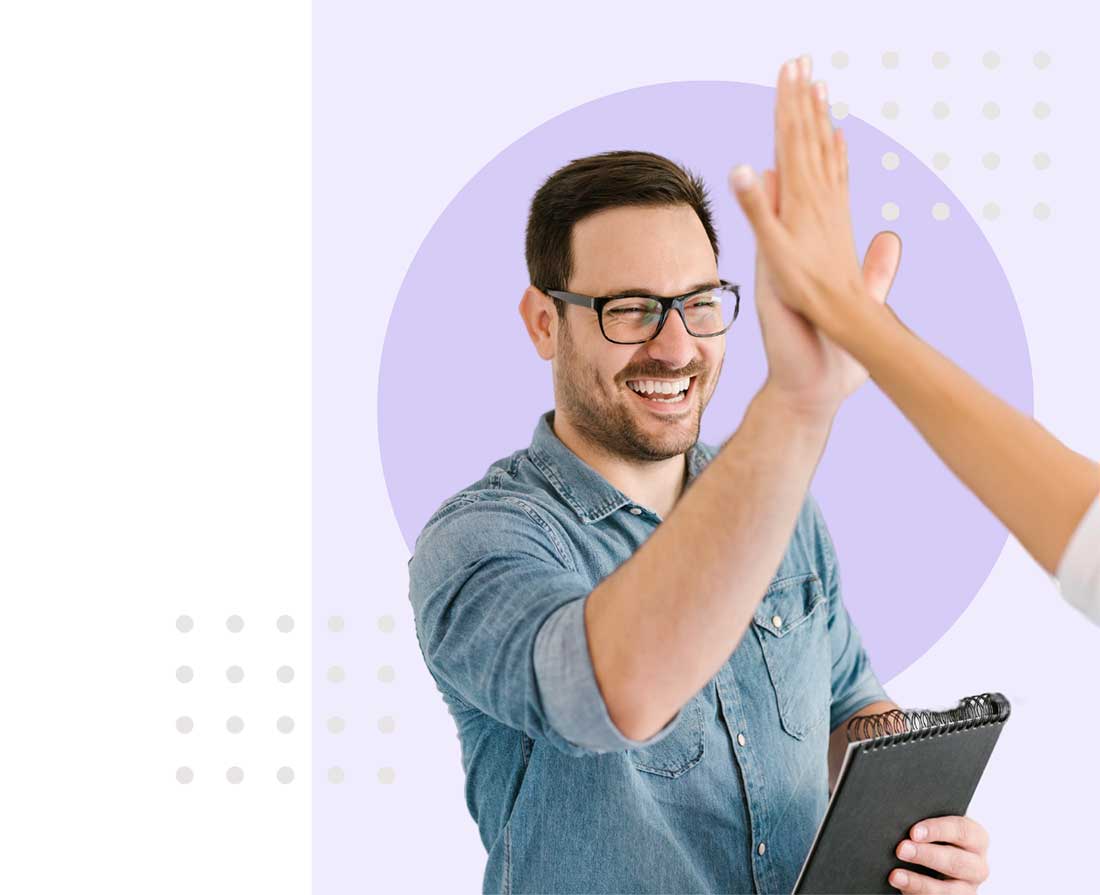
(659, 248)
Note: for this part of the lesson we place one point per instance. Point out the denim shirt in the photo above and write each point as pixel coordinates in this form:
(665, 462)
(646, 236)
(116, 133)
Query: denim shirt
(727, 796)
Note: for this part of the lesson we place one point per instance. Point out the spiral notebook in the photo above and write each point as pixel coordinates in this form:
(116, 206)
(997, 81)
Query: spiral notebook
(900, 767)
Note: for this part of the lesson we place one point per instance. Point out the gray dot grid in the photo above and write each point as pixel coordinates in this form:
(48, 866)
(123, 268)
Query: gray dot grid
(234, 724)
(941, 110)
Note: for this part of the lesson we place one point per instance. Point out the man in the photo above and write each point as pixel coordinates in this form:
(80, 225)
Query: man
(1045, 494)
(640, 636)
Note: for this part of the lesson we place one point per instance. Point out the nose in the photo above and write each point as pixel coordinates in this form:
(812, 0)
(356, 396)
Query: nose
(673, 345)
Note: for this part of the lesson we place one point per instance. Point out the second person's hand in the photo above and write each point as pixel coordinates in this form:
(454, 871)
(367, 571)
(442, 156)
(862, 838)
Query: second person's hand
(805, 366)
(801, 217)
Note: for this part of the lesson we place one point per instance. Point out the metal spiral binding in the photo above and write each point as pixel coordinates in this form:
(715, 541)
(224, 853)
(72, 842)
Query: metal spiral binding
(897, 726)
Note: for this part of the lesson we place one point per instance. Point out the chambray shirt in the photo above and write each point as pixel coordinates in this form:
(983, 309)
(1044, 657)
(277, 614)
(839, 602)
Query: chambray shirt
(727, 796)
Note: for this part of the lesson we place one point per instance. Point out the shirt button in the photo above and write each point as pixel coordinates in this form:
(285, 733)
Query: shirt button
(740, 739)
(761, 848)
(637, 511)
(777, 621)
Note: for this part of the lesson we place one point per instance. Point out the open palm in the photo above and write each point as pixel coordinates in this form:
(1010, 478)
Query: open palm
(802, 360)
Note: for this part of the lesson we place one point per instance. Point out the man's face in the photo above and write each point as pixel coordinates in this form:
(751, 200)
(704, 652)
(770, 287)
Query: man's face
(663, 251)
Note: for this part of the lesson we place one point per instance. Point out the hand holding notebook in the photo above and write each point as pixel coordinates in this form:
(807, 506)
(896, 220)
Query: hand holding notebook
(902, 771)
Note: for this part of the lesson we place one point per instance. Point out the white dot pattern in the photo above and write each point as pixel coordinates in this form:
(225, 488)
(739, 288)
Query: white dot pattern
(991, 110)
(991, 211)
(890, 211)
(941, 110)
(385, 674)
(890, 161)
(991, 160)
(839, 110)
(941, 211)
(840, 59)
(890, 109)
(386, 775)
(890, 59)
(1041, 211)
(941, 160)
(235, 624)
(940, 59)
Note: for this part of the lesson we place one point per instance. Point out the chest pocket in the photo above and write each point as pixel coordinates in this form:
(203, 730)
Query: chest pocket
(680, 749)
(792, 625)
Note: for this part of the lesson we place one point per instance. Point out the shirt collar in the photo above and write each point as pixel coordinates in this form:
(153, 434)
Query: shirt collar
(589, 494)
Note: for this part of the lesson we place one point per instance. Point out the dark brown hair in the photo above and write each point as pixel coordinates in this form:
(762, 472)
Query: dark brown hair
(591, 184)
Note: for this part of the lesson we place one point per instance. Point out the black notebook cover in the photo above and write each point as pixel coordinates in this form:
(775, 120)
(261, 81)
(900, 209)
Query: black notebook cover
(900, 767)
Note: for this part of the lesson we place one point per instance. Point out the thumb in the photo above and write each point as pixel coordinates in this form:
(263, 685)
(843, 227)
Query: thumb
(880, 264)
(753, 196)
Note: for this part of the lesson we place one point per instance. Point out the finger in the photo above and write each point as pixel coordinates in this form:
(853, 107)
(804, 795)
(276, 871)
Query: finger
(918, 884)
(789, 147)
(880, 264)
(759, 207)
(823, 127)
(955, 863)
(842, 157)
(807, 121)
(771, 189)
(952, 830)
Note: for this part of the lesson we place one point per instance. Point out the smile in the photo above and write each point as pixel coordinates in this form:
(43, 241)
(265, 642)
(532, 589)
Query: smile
(661, 393)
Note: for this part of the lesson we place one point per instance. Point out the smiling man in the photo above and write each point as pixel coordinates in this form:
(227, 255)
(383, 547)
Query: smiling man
(641, 636)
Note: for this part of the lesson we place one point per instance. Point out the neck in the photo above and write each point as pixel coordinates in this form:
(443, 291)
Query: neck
(656, 484)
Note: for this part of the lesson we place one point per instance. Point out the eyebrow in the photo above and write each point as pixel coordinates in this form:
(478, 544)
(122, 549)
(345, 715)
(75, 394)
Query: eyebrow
(645, 293)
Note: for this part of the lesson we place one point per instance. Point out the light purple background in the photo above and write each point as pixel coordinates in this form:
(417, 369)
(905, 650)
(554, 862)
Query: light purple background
(411, 103)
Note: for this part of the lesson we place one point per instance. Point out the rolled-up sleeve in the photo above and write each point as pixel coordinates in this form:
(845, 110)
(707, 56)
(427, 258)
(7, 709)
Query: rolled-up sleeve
(1079, 569)
(854, 683)
(499, 610)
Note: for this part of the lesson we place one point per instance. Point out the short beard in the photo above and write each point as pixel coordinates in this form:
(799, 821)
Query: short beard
(609, 428)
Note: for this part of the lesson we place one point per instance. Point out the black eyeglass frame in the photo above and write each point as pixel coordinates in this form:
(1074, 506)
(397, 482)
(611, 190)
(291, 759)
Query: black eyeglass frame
(668, 302)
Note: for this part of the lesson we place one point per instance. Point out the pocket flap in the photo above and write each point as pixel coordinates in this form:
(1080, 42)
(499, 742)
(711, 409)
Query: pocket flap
(787, 603)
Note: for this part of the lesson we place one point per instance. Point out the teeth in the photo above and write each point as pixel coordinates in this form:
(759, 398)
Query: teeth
(651, 386)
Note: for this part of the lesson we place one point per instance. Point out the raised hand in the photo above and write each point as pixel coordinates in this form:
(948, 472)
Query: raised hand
(803, 228)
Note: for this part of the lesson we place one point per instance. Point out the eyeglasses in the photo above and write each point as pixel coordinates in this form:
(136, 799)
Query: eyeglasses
(630, 319)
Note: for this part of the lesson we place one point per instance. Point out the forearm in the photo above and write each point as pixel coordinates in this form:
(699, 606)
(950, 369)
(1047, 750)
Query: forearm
(1032, 482)
(663, 623)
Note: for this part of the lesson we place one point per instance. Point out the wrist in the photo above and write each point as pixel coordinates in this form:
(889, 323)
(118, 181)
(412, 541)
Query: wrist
(848, 313)
(812, 416)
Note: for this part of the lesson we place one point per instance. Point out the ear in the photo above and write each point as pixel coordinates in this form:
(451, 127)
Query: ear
(540, 316)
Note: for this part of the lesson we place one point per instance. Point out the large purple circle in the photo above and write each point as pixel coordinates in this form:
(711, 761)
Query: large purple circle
(461, 385)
